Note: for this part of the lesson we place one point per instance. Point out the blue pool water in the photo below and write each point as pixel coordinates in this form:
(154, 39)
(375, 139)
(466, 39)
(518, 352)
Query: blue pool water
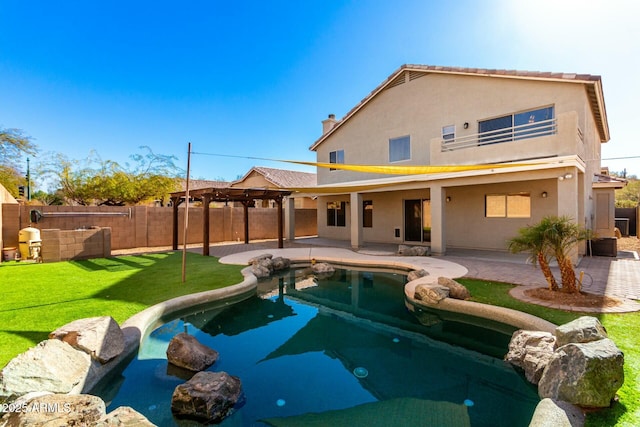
(325, 344)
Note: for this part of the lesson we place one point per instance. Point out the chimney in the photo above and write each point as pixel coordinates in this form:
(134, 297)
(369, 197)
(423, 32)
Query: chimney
(329, 123)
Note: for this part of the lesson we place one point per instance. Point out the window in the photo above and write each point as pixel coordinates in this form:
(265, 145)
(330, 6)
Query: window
(367, 213)
(336, 157)
(508, 205)
(399, 149)
(448, 133)
(528, 124)
(336, 214)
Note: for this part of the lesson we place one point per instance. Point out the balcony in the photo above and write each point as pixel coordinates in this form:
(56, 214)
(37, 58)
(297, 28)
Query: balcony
(498, 136)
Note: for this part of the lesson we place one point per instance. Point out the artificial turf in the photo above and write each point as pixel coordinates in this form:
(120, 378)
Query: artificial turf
(38, 298)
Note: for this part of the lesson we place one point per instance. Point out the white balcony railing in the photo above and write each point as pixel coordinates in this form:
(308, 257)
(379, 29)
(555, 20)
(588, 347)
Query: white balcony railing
(514, 133)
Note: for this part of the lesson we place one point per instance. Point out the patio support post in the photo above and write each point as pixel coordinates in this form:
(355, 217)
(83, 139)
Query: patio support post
(438, 246)
(206, 199)
(356, 220)
(175, 201)
(568, 201)
(280, 224)
(290, 219)
(245, 206)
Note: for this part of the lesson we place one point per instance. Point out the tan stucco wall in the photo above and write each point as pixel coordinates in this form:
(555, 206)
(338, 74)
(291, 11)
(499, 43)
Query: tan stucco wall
(420, 108)
(465, 223)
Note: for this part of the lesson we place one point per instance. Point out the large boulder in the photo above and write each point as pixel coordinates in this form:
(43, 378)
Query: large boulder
(430, 293)
(456, 290)
(551, 413)
(531, 351)
(100, 337)
(52, 365)
(583, 329)
(259, 258)
(280, 263)
(416, 274)
(187, 352)
(124, 416)
(322, 268)
(261, 270)
(585, 374)
(207, 397)
(413, 250)
(54, 410)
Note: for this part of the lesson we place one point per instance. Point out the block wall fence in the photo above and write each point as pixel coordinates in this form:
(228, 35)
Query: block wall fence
(142, 226)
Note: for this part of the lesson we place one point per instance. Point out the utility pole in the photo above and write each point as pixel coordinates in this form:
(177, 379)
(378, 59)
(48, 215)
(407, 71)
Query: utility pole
(28, 181)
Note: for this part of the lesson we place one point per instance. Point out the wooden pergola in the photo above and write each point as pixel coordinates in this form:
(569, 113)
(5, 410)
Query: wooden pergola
(246, 196)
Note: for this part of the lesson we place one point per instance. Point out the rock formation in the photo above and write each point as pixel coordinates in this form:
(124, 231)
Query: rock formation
(187, 352)
(207, 397)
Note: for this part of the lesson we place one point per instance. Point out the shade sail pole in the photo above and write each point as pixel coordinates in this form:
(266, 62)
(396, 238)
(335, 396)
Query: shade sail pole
(186, 218)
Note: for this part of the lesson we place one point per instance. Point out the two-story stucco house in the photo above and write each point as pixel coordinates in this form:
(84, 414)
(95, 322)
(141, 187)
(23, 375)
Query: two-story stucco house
(544, 130)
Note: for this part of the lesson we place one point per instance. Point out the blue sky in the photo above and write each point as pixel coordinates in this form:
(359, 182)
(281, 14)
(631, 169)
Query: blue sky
(256, 78)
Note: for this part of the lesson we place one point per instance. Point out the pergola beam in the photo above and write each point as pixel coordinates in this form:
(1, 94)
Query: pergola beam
(228, 194)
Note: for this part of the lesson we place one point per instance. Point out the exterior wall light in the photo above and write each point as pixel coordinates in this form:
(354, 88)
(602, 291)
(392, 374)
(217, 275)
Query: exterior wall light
(448, 198)
(466, 125)
(544, 194)
(565, 176)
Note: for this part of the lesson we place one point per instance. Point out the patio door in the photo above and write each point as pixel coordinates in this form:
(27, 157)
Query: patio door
(417, 220)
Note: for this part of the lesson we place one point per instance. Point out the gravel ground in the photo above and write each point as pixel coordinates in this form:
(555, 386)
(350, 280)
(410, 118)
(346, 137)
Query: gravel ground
(629, 244)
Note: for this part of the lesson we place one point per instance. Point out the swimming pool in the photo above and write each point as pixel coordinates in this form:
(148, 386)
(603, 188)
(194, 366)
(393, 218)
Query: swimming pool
(346, 343)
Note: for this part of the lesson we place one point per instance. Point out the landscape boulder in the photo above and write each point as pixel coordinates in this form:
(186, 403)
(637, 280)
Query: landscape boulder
(99, 337)
(456, 290)
(551, 413)
(413, 250)
(416, 274)
(583, 329)
(280, 263)
(124, 416)
(261, 269)
(584, 374)
(208, 397)
(430, 293)
(322, 268)
(259, 258)
(187, 352)
(531, 351)
(57, 410)
(52, 366)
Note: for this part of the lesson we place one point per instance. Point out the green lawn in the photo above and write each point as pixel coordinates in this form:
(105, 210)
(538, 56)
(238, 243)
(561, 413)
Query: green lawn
(622, 329)
(38, 298)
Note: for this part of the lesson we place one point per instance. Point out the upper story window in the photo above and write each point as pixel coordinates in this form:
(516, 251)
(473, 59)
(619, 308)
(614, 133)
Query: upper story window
(399, 149)
(527, 124)
(448, 133)
(336, 157)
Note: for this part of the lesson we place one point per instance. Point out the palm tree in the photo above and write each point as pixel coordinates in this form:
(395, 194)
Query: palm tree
(561, 235)
(552, 237)
(532, 239)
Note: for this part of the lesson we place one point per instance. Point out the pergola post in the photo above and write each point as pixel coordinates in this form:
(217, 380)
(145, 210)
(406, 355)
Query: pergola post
(280, 224)
(206, 199)
(245, 205)
(174, 239)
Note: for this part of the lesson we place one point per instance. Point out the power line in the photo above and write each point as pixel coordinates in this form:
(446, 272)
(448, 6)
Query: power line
(622, 158)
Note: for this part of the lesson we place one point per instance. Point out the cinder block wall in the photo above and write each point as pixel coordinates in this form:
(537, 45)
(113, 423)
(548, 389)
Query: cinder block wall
(62, 245)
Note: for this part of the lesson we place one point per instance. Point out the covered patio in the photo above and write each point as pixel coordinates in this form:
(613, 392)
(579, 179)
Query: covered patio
(245, 196)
